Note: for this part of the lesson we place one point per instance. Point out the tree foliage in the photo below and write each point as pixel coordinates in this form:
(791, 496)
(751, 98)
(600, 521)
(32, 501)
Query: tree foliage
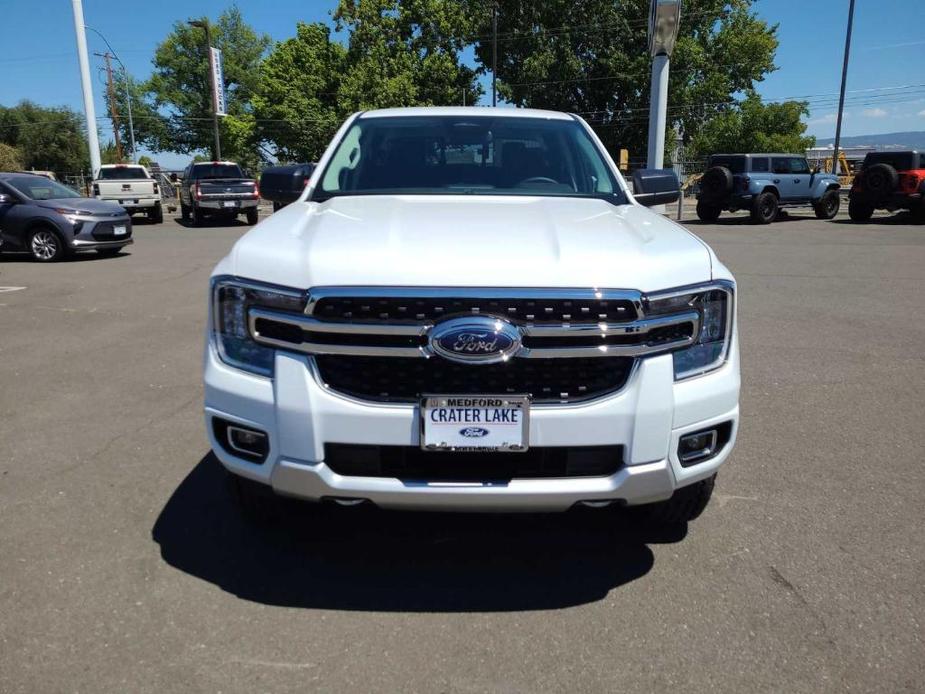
(397, 54)
(297, 103)
(591, 57)
(49, 139)
(10, 158)
(755, 127)
(179, 102)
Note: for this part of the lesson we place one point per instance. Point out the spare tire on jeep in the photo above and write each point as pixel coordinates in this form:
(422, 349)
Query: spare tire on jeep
(880, 180)
(716, 182)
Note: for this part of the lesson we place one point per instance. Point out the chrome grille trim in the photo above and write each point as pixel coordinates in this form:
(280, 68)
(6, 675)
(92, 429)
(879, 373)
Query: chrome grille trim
(639, 327)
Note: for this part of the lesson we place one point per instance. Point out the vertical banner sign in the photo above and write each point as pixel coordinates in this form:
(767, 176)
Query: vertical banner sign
(218, 81)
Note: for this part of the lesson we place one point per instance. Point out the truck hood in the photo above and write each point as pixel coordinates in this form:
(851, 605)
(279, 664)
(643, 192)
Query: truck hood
(454, 240)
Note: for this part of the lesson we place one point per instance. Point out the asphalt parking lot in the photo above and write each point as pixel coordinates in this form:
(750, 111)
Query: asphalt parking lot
(125, 567)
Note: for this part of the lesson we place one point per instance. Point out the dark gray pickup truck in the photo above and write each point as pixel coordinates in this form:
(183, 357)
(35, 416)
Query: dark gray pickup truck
(218, 189)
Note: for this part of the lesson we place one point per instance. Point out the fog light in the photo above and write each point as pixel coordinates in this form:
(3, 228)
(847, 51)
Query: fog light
(247, 441)
(697, 446)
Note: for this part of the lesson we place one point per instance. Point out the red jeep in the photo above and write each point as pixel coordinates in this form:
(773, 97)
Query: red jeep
(889, 181)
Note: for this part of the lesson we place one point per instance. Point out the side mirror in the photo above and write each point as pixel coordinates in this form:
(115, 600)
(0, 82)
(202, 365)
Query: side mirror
(6, 199)
(284, 184)
(655, 186)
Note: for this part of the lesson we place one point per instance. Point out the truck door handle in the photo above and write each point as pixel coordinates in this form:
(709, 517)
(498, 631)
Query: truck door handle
(796, 180)
(777, 180)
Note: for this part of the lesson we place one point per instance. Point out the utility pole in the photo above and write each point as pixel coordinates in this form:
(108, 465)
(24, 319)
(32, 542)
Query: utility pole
(113, 111)
(93, 141)
(128, 92)
(494, 53)
(844, 79)
(204, 24)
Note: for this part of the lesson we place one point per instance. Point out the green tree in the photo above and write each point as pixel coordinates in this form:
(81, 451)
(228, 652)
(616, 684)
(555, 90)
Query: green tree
(591, 57)
(297, 106)
(755, 127)
(405, 53)
(179, 94)
(49, 139)
(145, 160)
(10, 158)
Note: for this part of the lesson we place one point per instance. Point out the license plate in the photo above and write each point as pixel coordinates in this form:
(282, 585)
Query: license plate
(475, 423)
(119, 231)
(231, 203)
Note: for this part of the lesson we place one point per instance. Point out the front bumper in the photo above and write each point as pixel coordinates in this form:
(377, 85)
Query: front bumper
(98, 232)
(300, 416)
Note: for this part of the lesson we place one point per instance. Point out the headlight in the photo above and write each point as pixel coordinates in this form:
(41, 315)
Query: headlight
(231, 299)
(710, 349)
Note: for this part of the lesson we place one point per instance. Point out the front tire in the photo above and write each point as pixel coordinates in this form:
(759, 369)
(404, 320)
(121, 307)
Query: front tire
(251, 215)
(708, 212)
(764, 208)
(685, 505)
(859, 211)
(46, 246)
(828, 205)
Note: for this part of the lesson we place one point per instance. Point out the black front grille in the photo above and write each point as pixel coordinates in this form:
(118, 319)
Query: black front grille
(405, 380)
(407, 462)
(536, 310)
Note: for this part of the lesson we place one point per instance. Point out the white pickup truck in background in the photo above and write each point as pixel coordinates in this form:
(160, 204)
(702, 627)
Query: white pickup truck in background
(130, 186)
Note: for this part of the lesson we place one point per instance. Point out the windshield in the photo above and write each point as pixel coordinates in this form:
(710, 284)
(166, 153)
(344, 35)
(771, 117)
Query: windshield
(206, 171)
(121, 173)
(41, 188)
(459, 155)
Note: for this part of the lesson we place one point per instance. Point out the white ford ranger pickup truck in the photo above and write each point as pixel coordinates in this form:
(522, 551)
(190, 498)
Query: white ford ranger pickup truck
(467, 309)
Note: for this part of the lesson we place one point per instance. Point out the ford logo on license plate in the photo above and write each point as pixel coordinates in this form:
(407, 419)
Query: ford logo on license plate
(473, 432)
(475, 339)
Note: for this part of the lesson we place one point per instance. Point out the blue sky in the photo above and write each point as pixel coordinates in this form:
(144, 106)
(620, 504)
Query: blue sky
(38, 57)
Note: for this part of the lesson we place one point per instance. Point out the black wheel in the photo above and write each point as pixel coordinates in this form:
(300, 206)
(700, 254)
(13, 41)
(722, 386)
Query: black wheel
(860, 211)
(685, 505)
(156, 215)
(764, 208)
(827, 206)
(108, 252)
(46, 246)
(277, 206)
(184, 212)
(716, 182)
(707, 212)
(251, 215)
(197, 216)
(880, 180)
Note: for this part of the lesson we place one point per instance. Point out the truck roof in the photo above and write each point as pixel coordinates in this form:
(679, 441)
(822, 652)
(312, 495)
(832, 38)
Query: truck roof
(494, 111)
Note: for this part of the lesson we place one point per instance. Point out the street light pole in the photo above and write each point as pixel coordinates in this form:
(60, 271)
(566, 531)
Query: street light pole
(93, 141)
(204, 24)
(494, 53)
(664, 18)
(844, 78)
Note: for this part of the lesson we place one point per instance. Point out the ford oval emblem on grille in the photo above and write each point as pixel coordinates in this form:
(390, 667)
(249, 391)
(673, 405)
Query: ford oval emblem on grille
(475, 339)
(473, 432)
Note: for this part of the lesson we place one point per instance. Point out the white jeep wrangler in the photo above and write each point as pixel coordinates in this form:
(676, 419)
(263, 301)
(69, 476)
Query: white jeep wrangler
(467, 309)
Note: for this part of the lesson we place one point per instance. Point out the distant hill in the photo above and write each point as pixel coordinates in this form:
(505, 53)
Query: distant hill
(907, 140)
